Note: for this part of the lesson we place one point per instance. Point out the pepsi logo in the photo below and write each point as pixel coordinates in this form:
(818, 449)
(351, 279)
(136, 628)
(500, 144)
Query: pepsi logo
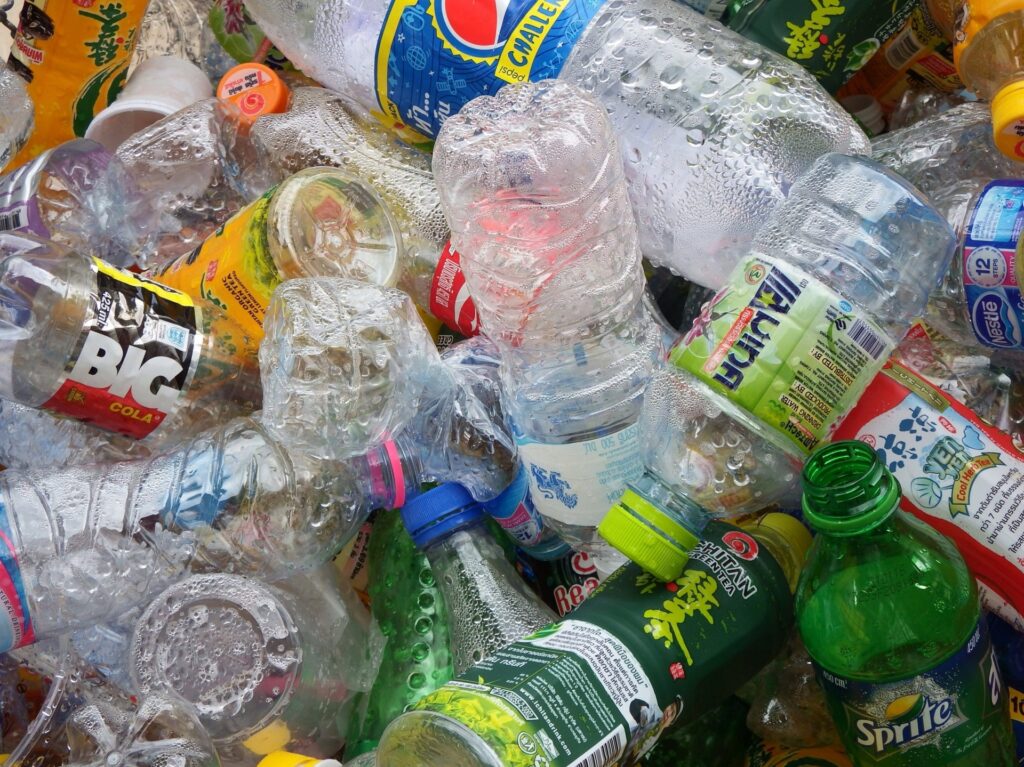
(478, 28)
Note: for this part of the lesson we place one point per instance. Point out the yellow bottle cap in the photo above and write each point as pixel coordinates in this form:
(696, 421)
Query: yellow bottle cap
(255, 89)
(791, 529)
(1008, 120)
(288, 759)
(648, 536)
(274, 737)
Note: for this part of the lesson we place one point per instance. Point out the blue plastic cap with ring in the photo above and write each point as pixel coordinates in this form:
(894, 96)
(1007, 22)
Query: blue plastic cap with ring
(439, 512)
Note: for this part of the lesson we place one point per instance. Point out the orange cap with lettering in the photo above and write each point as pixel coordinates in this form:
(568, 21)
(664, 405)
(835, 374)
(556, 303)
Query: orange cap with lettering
(255, 89)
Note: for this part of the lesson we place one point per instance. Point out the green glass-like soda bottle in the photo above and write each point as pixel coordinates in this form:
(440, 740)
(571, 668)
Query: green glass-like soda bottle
(890, 616)
(410, 610)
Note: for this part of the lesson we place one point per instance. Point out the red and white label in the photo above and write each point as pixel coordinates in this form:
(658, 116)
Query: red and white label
(450, 301)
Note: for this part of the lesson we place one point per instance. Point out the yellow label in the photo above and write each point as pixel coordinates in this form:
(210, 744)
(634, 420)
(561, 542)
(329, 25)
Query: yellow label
(137, 281)
(1016, 705)
(233, 270)
(517, 56)
(77, 52)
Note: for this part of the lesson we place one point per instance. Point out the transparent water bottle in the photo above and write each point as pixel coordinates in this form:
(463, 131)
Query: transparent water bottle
(534, 192)
(266, 666)
(713, 128)
(18, 118)
(489, 605)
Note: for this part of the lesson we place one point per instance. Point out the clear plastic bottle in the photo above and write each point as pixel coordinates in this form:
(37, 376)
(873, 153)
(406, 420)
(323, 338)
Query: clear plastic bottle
(102, 345)
(58, 710)
(267, 666)
(18, 118)
(347, 364)
(534, 192)
(77, 195)
(489, 605)
(325, 128)
(713, 128)
(92, 541)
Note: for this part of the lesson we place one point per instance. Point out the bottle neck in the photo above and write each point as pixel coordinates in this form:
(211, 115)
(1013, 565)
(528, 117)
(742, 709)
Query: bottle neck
(392, 474)
(848, 490)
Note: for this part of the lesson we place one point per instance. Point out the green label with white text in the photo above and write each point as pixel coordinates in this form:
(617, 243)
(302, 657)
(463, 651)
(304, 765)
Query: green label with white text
(784, 347)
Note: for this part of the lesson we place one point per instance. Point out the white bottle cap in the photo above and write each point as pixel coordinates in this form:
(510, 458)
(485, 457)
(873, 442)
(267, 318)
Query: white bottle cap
(159, 87)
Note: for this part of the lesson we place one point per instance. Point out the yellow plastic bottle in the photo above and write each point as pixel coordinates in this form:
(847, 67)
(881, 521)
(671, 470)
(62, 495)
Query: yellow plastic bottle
(74, 55)
(989, 55)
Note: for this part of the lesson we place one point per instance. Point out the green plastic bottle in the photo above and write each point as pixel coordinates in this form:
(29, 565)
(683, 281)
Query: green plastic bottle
(411, 612)
(890, 616)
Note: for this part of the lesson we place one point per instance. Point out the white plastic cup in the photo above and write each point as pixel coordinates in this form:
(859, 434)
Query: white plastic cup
(867, 110)
(159, 87)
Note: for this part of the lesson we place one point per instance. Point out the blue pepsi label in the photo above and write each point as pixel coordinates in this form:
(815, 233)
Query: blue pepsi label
(991, 264)
(434, 56)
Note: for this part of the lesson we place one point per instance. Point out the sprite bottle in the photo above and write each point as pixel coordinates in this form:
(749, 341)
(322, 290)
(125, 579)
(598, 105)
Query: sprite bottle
(891, 618)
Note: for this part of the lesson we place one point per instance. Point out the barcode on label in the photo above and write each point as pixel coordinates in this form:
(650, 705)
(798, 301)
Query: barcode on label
(605, 752)
(903, 48)
(166, 333)
(11, 220)
(866, 338)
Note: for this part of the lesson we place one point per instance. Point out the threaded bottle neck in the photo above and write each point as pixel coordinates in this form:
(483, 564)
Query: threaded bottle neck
(848, 490)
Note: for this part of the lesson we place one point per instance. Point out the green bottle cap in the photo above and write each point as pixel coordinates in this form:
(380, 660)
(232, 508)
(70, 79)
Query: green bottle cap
(847, 489)
(648, 536)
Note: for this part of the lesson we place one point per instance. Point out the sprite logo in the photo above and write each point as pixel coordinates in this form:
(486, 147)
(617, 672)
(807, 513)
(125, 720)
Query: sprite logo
(908, 719)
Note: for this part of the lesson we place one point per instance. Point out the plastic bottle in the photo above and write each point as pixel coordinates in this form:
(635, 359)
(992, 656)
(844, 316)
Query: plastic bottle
(489, 606)
(768, 754)
(890, 615)
(195, 169)
(347, 364)
(267, 666)
(717, 738)
(74, 59)
(76, 195)
(319, 222)
(712, 129)
(540, 213)
(19, 115)
(409, 607)
(288, 759)
(58, 710)
(598, 688)
(91, 541)
(1009, 648)
(98, 344)
(325, 128)
(988, 56)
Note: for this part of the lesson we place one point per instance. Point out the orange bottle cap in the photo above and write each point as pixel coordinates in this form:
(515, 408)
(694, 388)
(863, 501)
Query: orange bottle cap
(255, 89)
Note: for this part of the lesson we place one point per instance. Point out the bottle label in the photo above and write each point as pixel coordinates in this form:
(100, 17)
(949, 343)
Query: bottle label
(785, 348)
(575, 577)
(136, 357)
(932, 718)
(233, 270)
(991, 265)
(960, 475)
(598, 689)
(15, 623)
(434, 56)
(74, 56)
(578, 482)
(450, 301)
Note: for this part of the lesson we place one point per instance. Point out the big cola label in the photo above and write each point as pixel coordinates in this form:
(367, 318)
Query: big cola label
(136, 356)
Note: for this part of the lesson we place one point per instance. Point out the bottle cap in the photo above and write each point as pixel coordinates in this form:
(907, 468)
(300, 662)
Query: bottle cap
(159, 87)
(789, 528)
(288, 759)
(1008, 120)
(255, 89)
(648, 536)
(271, 738)
(847, 489)
(439, 512)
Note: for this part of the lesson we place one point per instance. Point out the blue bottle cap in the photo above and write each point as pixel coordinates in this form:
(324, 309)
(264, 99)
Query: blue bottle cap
(439, 512)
